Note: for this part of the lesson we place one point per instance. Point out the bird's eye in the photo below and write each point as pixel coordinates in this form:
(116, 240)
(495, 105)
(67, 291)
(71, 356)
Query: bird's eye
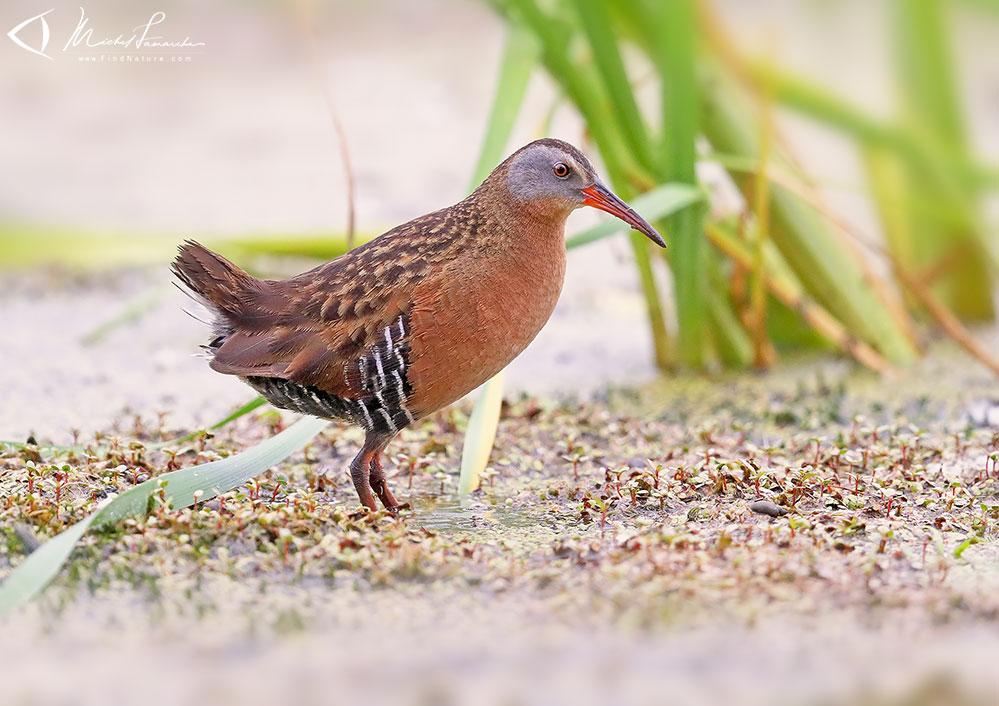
(561, 171)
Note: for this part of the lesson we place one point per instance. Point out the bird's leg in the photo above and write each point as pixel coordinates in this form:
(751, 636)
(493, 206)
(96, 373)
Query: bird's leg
(379, 484)
(367, 474)
(360, 468)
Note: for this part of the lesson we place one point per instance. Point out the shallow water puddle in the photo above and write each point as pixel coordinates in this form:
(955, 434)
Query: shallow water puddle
(453, 515)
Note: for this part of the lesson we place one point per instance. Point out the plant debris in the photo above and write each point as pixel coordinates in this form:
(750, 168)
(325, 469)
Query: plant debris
(647, 515)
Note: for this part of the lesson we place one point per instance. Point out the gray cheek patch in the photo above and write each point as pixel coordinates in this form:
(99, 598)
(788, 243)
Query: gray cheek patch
(528, 174)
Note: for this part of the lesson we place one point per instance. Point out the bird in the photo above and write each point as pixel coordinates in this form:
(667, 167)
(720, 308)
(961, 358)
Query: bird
(414, 319)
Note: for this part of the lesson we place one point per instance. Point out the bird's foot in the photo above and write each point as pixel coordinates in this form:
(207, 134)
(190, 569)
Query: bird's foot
(365, 512)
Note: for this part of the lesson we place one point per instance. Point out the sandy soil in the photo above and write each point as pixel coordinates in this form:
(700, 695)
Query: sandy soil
(523, 597)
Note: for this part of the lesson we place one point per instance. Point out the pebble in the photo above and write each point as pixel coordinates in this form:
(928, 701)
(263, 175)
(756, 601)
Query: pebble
(765, 507)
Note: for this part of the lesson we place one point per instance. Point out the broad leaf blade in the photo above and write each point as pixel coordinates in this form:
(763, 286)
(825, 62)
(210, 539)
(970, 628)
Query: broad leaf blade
(480, 434)
(179, 487)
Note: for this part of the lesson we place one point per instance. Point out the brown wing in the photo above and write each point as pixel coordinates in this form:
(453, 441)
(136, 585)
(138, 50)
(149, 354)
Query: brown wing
(314, 328)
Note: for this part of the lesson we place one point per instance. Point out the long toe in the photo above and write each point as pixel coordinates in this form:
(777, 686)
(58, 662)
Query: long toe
(385, 495)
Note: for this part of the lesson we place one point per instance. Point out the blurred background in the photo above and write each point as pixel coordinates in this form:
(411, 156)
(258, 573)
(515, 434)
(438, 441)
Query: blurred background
(844, 156)
(826, 173)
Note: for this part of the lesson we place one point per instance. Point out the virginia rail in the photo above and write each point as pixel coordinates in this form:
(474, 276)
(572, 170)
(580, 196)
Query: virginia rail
(413, 320)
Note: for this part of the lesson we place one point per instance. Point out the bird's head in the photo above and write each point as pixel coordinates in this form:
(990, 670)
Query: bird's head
(553, 177)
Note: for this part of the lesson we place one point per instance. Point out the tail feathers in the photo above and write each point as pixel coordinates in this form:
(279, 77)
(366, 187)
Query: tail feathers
(218, 283)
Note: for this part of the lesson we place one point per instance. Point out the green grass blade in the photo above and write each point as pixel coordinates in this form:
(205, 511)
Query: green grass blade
(179, 488)
(23, 245)
(761, 232)
(732, 342)
(888, 182)
(583, 85)
(802, 95)
(953, 174)
(318, 246)
(519, 59)
(735, 348)
(926, 71)
(805, 239)
(675, 56)
(41, 566)
(596, 22)
(245, 409)
(662, 344)
(239, 412)
(930, 106)
(653, 206)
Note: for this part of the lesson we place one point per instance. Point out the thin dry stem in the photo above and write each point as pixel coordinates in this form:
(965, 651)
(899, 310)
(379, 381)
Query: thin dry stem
(306, 13)
(763, 354)
(914, 283)
(820, 319)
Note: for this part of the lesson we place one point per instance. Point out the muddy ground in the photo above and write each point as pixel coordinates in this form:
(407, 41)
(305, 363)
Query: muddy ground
(612, 555)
